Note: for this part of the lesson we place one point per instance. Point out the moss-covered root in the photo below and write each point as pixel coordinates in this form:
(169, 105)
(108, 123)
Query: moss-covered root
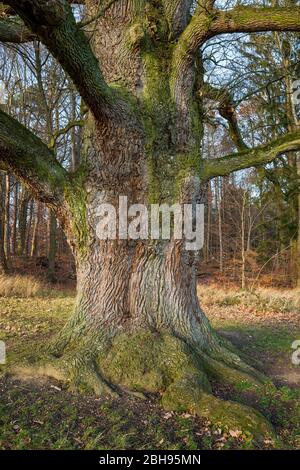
(225, 375)
(186, 395)
(148, 362)
(77, 368)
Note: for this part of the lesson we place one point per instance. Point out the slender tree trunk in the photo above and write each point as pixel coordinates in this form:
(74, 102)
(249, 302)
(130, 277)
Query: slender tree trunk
(208, 227)
(22, 220)
(220, 225)
(250, 226)
(52, 247)
(7, 217)
(29, 227)
(243, 270)
(15, 217)
(3, 260)
(35, 232)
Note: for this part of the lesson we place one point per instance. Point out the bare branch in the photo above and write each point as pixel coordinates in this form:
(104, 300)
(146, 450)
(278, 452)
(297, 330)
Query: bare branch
(261, 155)
(54, 23)
(227, 111)
(59, 132)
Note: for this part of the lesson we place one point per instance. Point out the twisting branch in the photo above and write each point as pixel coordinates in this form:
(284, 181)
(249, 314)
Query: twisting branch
(54, 23)
(208, 22)
(59, 132)
(227, 111)
(26, 156)
(257, 156)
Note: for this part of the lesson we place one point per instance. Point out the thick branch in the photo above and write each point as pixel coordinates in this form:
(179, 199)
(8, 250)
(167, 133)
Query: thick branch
(251, 20)
(207, 23)
(54, 23)
(26, 156)
(261, 155)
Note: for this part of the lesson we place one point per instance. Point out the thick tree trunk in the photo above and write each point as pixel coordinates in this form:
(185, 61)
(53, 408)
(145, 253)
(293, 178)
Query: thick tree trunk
(122, 286)
(150, 154)
(138, 326)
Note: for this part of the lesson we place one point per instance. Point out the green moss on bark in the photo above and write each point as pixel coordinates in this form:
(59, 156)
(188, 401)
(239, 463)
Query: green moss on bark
(149, 362)
(75, 196)
(186, 395)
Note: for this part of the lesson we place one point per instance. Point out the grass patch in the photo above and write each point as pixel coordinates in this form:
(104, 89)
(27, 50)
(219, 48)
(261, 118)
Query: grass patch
(28, 323)
(44, 415)
(20, 286)
(264, 300)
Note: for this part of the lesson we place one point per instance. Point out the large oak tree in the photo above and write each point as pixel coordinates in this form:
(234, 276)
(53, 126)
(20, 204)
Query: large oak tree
(137, 325)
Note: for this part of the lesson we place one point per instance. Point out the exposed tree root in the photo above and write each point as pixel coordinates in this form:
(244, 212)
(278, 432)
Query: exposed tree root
(145, 363)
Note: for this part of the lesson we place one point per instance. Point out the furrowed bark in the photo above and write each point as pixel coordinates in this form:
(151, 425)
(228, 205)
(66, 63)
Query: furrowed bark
(178, 14)
(261, 155)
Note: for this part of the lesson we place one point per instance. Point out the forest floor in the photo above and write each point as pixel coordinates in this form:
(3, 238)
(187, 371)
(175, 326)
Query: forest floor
(43, 414)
